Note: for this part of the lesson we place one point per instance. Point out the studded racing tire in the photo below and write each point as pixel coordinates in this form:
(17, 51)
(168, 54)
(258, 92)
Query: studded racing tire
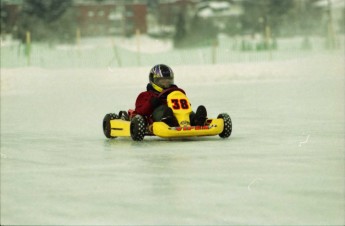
(227, 125)
(138, 128)
(106, 124)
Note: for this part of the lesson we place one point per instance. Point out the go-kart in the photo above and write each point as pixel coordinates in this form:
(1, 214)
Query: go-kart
(129, 124)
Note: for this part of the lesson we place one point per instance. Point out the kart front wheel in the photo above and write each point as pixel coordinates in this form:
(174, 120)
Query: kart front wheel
(138, 128)
(106, 124)
(227, 125)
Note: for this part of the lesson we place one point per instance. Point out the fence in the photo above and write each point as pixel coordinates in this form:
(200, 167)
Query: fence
(119, 52)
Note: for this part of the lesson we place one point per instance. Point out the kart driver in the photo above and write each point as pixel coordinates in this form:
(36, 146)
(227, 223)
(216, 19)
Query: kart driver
(148, 104)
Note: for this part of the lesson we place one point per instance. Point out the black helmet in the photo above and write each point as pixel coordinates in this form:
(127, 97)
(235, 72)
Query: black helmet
(162, 76)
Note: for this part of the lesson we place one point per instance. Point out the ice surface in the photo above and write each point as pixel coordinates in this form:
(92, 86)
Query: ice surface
(283, 164)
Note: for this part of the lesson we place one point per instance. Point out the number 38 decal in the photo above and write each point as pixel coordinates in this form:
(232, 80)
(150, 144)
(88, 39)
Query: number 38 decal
(179, 103)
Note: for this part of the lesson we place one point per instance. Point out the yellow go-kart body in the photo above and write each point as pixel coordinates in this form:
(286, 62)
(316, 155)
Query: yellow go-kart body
(181, 107)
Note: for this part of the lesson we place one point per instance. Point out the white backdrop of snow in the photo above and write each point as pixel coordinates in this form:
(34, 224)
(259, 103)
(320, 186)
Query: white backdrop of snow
(283, 164)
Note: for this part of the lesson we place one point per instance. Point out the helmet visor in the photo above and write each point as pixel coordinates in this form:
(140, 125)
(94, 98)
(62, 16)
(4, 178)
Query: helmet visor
(164, 82)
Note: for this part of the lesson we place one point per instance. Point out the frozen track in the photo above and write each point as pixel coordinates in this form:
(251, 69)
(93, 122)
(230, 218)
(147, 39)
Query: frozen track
(283, 165)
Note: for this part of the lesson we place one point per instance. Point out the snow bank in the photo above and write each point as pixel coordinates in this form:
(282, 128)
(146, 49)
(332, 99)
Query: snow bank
(102, 52)
(325, 65)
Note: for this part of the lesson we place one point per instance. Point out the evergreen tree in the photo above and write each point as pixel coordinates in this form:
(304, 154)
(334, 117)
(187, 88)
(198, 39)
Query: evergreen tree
(283, 16)
(48, 20)
(180, 29)
(194, 31)
(261, 13)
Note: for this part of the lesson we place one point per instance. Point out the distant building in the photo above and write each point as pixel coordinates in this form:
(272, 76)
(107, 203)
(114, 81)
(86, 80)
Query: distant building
(93, 17)
(124, 17)
(111, 17)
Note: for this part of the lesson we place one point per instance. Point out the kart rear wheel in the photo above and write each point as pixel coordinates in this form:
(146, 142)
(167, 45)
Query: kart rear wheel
(227, 125)
(138, 128)
(106, 124)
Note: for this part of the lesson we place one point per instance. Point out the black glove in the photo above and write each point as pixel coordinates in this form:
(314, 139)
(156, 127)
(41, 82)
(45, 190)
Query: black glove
(155, 102)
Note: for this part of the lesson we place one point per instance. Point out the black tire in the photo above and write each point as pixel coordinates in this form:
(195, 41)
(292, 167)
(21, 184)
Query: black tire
(138, 128)
(106, 124)
(227, 125)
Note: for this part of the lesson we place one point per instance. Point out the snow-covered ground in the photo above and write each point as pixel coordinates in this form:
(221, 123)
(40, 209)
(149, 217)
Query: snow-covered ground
(283, 164)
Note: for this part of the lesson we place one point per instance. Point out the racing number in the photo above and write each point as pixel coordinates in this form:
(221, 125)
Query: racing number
(180, 103)
(184, 103)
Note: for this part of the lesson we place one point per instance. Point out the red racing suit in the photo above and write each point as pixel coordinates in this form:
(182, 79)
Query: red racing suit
(143, 104)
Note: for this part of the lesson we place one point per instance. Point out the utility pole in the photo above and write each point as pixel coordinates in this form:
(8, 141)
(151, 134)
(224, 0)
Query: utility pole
(331, 43)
